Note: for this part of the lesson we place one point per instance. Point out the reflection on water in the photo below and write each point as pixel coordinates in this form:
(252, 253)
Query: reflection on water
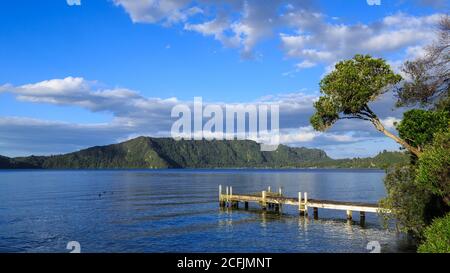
(177, 211)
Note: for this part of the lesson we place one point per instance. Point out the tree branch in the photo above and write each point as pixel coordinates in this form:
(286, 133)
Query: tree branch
(380, 127)
(355, 117)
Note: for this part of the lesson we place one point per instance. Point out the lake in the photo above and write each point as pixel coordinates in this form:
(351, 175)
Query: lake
(178, 211)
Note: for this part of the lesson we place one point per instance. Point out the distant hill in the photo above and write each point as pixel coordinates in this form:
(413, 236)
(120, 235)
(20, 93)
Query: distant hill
(10, 163)
(155, 153)
(383, 160)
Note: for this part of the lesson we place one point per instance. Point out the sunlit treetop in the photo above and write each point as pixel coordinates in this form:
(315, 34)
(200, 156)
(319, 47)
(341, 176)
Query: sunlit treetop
(349, 88)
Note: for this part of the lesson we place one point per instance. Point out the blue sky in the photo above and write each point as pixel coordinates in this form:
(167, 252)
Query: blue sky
(73, 76)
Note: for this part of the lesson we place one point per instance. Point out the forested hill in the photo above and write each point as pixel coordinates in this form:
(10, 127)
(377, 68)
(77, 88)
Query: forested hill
(146, 152)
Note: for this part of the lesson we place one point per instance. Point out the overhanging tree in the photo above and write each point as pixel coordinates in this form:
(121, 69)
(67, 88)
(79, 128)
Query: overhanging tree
(348, 90)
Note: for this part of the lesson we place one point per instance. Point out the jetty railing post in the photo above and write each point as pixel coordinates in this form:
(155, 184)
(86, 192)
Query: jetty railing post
(264, 204)
(231, 195)
(306, 203)
(227, 197)
(316, 213)
(220, 196)
(300, 205)
(279, 205)
(268, 189)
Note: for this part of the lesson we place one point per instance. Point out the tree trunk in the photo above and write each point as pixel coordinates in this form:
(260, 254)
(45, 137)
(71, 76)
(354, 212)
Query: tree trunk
(377, 123)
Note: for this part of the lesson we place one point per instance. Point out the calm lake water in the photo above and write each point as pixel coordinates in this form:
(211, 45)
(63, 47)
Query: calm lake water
(177, 211)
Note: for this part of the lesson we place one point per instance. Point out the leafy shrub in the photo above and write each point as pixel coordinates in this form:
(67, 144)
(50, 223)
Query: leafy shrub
(437, 237)
(434, 167)
(406, 199)
(418, 126)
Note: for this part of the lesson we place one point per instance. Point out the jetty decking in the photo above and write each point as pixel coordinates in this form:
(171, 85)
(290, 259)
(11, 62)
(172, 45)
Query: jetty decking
(275, 200)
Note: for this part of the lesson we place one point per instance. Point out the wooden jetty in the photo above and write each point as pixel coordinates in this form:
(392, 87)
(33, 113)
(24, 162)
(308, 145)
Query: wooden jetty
(275, 200)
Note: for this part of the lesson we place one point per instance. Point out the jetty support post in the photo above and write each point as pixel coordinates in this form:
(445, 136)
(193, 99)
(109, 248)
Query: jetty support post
(232, 204)
(269, 190)
(303, 204)
(263, 203)
(349, 215)
(316, 213)
(279, 206)
(246, 205)
(362, 218)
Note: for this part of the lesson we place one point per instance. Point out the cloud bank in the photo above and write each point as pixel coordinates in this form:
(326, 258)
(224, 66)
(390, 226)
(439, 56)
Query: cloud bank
(134, 115)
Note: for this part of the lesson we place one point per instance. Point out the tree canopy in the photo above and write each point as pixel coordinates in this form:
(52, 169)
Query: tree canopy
(348, 90)
(419, 126)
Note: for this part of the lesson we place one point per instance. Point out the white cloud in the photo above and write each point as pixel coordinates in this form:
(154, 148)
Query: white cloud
(390, 122)
(73, 2)
(154, 11)
(300, 135)
(306, 64)
(306, 34)
(235, 23)
(134, 115)
(318, 41)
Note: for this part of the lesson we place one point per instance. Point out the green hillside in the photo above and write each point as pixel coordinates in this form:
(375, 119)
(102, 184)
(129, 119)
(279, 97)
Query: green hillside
(149, 153)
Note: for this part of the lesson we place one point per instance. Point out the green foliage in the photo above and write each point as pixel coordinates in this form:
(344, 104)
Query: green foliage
(383, 160)
(434, 167)
(31, 162)
(350, 87)
(418, 193)
(407, 200)
(146, 152)
(326, 114)
(418, 126)
(437, 237)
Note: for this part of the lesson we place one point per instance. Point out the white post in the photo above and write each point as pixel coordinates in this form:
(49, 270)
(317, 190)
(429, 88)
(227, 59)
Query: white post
(306, 203)
(231, 191)
(264, 204)
(220, 195)
(268, 189)
(280, 191)
(227, 198)
(299, 201)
